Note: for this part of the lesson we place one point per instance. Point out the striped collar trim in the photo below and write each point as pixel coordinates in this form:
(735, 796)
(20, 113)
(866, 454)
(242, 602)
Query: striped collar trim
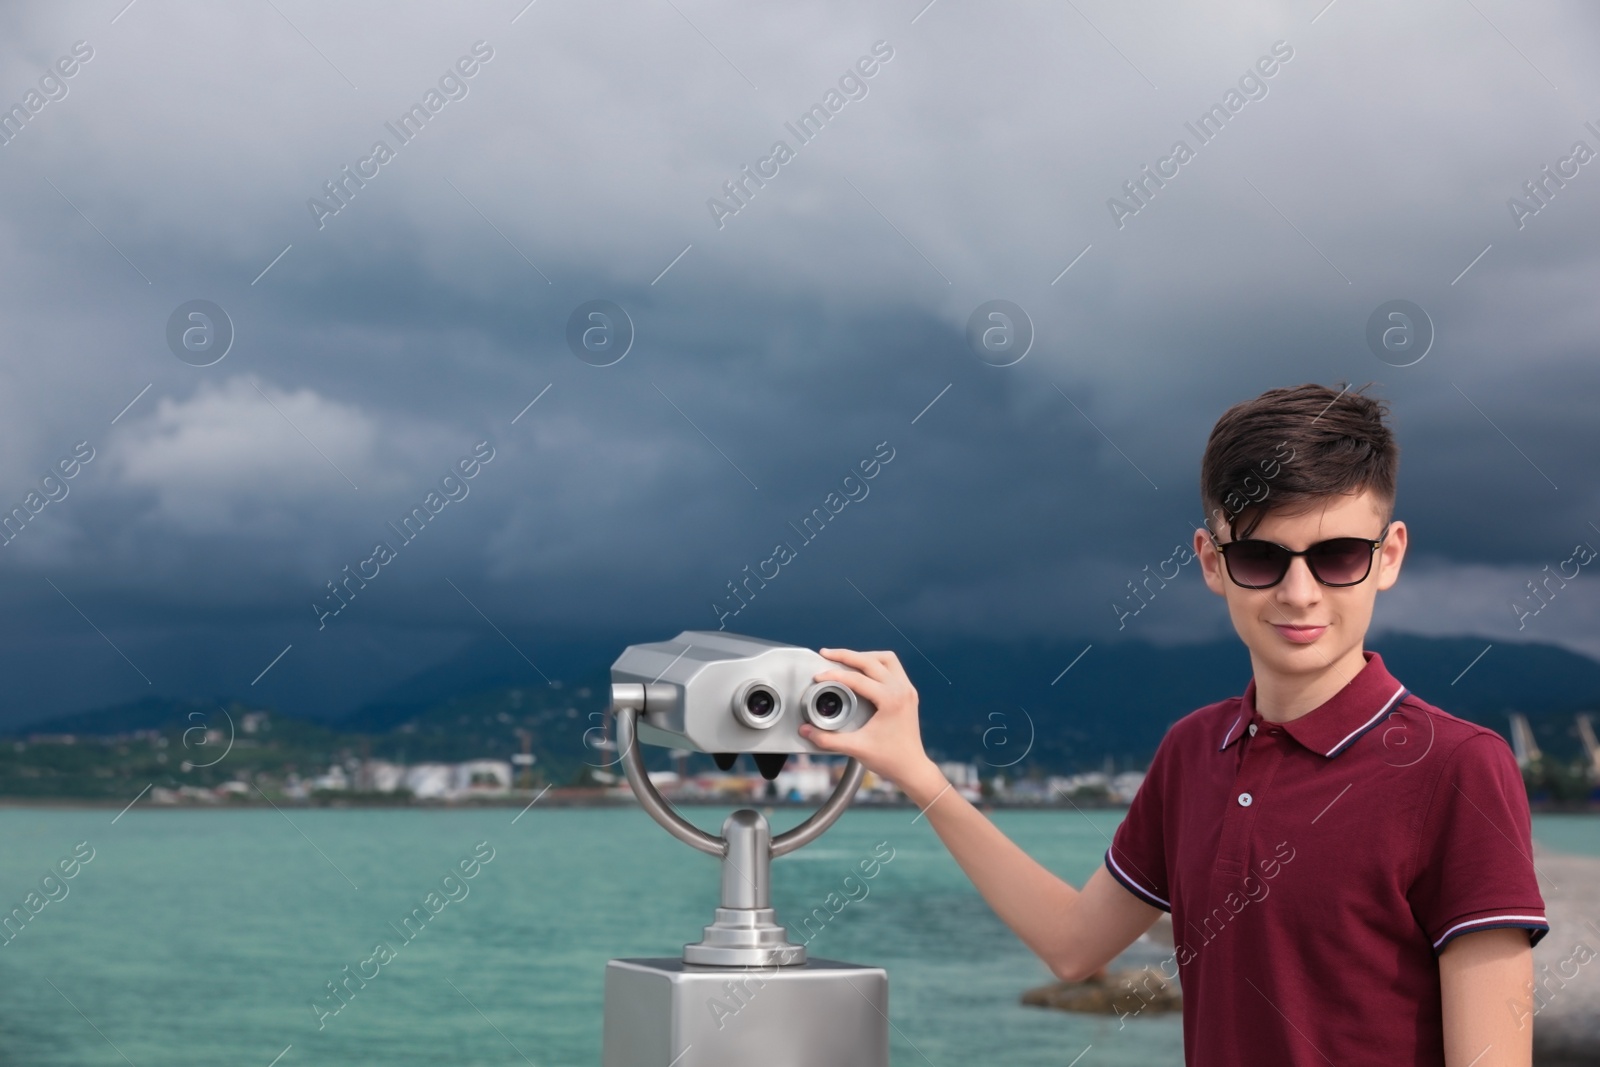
(1227, 738)
(1339, 722)
(1355, 735)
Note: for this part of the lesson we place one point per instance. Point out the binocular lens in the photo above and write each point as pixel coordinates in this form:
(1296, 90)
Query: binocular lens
(756, 705)
(826, 706)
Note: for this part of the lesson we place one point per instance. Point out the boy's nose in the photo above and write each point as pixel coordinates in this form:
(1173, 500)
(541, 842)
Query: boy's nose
(1299, 585)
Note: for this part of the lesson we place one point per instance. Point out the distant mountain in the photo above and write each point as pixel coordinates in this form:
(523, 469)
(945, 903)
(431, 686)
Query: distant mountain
(146, 713)
(493, 665)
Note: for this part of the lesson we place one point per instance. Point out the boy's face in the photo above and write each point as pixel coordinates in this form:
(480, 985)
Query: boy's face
(1301, 626)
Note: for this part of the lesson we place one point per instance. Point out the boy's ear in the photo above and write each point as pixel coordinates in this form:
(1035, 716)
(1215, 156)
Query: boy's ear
(1391, 555)
(1210, 562)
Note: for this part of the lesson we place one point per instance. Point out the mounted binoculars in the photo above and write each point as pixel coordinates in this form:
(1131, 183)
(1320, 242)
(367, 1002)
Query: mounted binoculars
(726, 694)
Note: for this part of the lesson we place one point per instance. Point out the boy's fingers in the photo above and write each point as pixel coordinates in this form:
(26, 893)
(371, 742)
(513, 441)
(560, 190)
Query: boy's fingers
(827, 740)
(891, 664)
(861, 661)
(883, 666)
(859, 683)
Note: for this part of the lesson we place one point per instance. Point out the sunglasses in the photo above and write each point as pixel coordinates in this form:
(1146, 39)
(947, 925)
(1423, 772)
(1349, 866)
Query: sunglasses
(1338, 561)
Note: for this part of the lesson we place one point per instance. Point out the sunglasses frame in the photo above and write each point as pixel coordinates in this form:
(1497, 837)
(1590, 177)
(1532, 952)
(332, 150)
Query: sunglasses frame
(1373, 546)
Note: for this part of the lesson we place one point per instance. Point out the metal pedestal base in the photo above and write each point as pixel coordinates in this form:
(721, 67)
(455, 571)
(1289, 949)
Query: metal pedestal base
(824, 1013)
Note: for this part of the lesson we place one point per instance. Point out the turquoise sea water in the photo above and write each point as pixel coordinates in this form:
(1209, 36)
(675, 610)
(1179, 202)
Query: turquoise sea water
(1576, 834)
(202, 937)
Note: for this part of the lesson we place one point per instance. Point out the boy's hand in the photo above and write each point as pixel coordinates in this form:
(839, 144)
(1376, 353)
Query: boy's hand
(890, 744)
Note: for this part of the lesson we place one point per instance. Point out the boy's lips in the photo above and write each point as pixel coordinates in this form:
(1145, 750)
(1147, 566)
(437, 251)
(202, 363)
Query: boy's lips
(1300, 635)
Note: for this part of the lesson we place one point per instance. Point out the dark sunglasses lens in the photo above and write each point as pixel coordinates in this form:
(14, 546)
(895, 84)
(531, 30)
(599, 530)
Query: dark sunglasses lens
(1342, 561)
(1256, 563)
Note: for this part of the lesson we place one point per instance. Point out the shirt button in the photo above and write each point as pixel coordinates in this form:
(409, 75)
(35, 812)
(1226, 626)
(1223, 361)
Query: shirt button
(1252, 729)
(1245, 800)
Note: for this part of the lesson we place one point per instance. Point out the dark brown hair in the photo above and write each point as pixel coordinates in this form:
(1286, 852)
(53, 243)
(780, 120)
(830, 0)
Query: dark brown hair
(1288, 447)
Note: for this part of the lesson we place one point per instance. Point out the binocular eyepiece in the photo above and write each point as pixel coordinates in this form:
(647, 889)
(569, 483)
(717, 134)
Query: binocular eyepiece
(825, 705)
(757, 705)
(724, 694)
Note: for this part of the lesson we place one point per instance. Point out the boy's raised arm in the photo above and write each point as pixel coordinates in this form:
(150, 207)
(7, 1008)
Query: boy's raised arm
(1486, 995)
(1075, 933)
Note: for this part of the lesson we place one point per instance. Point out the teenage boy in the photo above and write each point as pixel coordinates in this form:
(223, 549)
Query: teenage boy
(1348, 867)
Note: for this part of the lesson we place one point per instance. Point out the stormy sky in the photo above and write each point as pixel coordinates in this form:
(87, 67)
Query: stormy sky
(387, 312)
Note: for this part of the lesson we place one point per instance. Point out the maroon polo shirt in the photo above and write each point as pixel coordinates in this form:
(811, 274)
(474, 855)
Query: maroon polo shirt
(1315, 868)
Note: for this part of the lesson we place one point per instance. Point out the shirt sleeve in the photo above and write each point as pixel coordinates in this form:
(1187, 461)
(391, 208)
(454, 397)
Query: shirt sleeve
(1138, 856)
(1475, 855)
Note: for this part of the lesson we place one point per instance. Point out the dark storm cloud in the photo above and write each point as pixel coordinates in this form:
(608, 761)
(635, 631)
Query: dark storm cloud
(377, 345)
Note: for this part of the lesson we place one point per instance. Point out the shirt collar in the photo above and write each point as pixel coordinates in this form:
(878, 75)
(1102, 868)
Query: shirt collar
(1338, 722)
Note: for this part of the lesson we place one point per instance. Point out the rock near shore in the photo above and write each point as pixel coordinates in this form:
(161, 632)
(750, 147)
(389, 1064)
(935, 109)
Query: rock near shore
(1134, 991)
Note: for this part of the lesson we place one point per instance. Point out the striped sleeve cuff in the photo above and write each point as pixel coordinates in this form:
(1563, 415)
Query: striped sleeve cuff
(1530, 919)
(1133, 886)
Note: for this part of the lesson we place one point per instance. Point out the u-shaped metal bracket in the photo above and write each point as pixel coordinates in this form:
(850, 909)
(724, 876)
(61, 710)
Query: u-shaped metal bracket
(714, 844)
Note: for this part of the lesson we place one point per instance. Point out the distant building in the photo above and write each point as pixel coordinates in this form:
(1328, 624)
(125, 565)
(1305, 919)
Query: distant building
(381, 776)
(335, 779)
(425, 781)
(804, 778)
(1125, 785)
(430, 781)
(875, 788)
(482, 776)
(1093, 787)
(963, 778)
(158, 795)
(723, 785)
